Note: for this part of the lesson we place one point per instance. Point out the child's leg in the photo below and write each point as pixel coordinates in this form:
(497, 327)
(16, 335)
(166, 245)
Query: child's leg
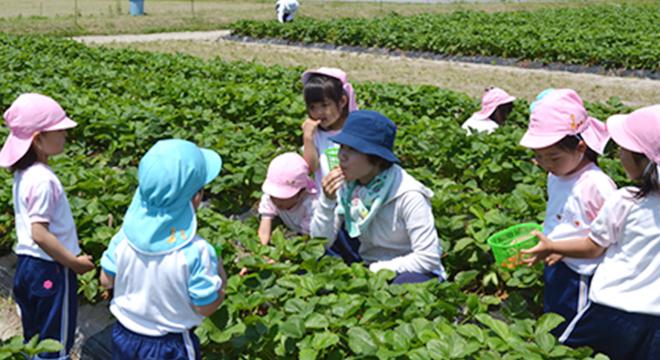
(129, 345)
(46, 293)
(616, 333)
(565, 293)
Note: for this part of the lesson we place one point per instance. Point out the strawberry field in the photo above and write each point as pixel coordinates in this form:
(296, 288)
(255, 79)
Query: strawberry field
(622, 36)
(304, 305)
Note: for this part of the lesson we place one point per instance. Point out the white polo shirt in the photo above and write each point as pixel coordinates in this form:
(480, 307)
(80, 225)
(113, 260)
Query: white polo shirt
(629, 276)
(573, 203)
(39, 197)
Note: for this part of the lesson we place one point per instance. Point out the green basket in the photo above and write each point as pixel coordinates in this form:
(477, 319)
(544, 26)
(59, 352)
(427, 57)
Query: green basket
(506, 244)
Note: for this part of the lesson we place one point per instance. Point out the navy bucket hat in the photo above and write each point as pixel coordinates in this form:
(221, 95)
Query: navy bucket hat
(369, 132)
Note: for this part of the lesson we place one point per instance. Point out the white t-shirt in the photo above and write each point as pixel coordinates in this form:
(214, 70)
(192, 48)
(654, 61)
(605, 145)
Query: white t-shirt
(39, 197)
(286, 9)
(629, 276)
(154, 294)
(573, 203)
(322, 142)
(479, 124)
(297, 219)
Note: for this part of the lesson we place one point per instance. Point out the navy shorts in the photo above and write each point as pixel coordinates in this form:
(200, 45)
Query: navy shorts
(129, 345)
(45, 292)
(616, 333)
(565, 293)
(347, 248)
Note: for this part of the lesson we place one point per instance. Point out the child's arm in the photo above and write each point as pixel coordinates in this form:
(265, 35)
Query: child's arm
(310, 154)
(577, 248)
(107, 280)
(51, 246)
(208, 310)
(265, 228)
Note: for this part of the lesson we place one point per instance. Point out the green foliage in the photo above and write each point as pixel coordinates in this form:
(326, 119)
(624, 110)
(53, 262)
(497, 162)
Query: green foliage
(15, 348)
(302, 305)
(614, 36)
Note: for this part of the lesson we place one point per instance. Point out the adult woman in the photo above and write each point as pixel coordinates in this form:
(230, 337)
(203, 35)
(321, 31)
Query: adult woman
(369, 198)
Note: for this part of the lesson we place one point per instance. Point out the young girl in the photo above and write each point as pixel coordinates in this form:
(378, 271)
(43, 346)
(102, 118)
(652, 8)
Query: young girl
(289, 193)
(566, 143)
(45, 283)
(370, 199)
(329, 98)
(622, 319)
(166, 278)
(496, 105)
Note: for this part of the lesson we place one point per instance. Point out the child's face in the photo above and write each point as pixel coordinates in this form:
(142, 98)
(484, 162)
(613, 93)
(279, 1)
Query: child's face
(51, 142)
(559, 161)
(356, 165)
(290, 203)
(329, 112)
(633, 169)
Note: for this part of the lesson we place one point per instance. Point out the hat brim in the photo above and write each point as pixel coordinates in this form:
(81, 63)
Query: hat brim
(488, 111)
(618, 132)
(158, 231)
(213, 163)
(13, 150)
(364, 147)
(279, 191)
(533, 141)
(63, 124)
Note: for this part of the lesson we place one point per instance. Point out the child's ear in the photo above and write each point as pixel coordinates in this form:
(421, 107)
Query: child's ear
(582, 146)
(197, 199)
(343, 101)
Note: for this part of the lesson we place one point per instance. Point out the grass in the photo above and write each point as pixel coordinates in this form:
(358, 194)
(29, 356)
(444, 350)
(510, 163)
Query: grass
(65, 18)
(468, 78)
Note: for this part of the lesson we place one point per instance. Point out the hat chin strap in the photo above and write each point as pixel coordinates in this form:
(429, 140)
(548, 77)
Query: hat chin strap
(649, 168)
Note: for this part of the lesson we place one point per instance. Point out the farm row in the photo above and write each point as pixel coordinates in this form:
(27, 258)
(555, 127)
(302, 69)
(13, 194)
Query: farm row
(124, 101)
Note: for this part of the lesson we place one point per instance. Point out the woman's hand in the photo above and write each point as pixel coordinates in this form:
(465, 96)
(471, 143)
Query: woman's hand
(543, 251)
(332, 182)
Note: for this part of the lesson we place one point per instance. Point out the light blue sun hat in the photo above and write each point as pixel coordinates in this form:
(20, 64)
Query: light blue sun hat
(161, 217)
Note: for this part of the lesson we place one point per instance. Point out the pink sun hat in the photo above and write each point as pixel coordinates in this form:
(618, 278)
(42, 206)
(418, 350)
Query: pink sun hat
(638, 131)
(27, 116)
(493, 98)
(287, 174)
(338, 74)
(561, 113)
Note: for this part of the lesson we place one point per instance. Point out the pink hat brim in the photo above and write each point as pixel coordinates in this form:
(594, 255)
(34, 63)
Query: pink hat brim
(620, 135)
(279, 191)
(13, 150)
(532, 141)
(63, 124)
(488, 111)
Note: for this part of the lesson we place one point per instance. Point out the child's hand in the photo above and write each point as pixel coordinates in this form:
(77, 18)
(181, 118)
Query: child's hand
(83, 264)
(332, 182)
(554, 258)
(541, 252)
(309, 127)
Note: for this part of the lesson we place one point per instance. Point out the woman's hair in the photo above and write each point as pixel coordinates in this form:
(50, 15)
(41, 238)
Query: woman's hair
(319, 87)
(571, 142)
(649, 180)
(26, 161)
(378, 161)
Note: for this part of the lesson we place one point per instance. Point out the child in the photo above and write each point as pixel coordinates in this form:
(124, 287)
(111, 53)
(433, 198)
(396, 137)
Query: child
(166, 278)
(622, 319)
(329, 98)
(286, 9)
(45, 283)
(289, 193)
(566, 143)
(496, 105)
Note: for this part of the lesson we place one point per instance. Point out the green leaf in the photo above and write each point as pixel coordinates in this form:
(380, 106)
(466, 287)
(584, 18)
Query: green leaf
(547, 322)
(49, 345)
(361, 342)
(324, 340)
(316, 321)
(293, 327)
